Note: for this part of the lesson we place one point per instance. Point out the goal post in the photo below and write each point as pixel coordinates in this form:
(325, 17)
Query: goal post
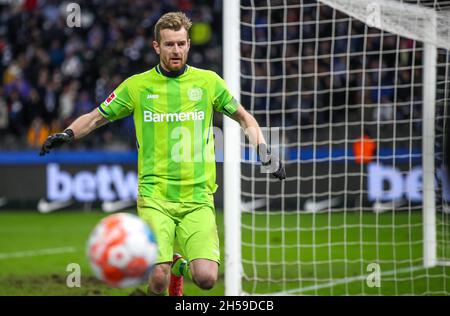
(232, 151)
(360, 92)
(428, 163)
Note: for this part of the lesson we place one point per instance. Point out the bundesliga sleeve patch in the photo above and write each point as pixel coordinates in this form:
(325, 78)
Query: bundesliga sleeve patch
(109, 99)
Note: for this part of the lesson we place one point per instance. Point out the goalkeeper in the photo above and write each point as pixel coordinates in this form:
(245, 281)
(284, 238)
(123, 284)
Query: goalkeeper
(172, 105)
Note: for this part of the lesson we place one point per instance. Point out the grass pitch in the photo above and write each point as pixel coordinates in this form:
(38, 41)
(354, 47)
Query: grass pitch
(314, 254)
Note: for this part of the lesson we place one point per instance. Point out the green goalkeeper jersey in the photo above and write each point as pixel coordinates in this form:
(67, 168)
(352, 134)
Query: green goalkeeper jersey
(173, 121)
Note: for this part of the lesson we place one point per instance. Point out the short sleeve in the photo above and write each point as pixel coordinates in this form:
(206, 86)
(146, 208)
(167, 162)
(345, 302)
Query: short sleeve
(119, 103)
(224, 102)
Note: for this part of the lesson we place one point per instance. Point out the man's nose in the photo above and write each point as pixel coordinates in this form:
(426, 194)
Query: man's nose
(176, 49)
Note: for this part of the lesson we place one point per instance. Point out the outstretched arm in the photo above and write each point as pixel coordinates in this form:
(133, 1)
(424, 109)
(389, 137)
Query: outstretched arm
(86, 123)
(81, 127)
(251, 128)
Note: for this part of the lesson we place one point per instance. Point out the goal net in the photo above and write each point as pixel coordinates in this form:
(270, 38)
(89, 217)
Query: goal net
(354, 96)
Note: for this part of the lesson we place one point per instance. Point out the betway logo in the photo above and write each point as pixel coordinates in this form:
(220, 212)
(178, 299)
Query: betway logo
(107, 183)
(388, 183)
(173, 117)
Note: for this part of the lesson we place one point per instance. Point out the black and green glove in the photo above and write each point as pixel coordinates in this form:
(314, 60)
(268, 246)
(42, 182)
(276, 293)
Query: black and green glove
(270, 162)
(56, 140)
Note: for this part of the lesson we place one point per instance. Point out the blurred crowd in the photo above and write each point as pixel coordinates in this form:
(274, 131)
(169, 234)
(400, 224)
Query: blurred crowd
(307, 74)
(51, 73)
(325, 73)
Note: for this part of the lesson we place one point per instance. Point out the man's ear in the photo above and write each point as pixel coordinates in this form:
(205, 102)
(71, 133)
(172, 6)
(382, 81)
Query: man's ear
(156, 47)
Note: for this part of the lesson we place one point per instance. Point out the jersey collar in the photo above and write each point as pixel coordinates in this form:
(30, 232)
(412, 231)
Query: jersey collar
(171, 74)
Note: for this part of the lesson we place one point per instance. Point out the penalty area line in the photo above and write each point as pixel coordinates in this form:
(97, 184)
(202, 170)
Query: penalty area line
(39, 252)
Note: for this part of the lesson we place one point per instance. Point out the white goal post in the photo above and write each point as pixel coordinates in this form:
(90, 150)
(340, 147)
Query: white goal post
(232, 149)
(327, 72)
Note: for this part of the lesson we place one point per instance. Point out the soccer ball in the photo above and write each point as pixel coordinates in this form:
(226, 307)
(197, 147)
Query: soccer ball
(122, 250)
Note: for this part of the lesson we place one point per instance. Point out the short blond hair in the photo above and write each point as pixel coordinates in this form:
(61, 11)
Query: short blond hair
(172, 21)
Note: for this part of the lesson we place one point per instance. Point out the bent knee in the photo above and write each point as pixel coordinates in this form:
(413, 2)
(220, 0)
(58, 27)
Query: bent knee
(159, 279)
(158, 286)
(205, 281)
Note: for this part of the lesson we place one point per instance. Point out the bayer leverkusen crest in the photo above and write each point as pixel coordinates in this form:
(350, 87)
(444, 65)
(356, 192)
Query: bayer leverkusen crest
(111, 97)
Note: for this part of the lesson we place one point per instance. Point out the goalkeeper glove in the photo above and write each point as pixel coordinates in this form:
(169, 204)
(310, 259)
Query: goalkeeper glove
(56, 140)
(270, 162)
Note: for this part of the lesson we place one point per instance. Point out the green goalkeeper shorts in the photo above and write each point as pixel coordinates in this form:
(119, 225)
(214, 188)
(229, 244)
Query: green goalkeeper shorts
(192, 224)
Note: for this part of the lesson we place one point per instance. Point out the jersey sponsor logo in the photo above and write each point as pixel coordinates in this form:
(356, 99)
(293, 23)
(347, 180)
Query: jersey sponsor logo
(109, 99)
(152, 96)
(195, 94)
(173, 117)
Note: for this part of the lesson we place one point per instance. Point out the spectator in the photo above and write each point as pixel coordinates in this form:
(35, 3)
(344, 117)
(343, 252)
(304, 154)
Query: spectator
(53, 72)
(37, 133)
(364, 149)
(4, 120)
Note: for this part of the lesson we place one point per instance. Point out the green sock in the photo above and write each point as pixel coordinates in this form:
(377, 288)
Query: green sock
(181, 267)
